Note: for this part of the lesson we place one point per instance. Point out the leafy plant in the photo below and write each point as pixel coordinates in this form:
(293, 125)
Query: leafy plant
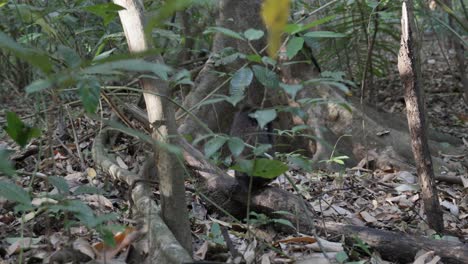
(215, 234)
(61, 203)
(20, 132)
(259, 220)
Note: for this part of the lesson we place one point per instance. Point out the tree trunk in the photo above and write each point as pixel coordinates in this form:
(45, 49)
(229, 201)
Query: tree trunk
(161, 116)
(407, 66)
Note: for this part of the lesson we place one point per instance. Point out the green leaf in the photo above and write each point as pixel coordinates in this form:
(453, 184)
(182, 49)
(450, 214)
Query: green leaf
(130, 65)
(13, 192)
(224, 31)
(294, 46)
(316, 23)
(19, 131)
(164, 12)
(261, 149)
(89, 90)
(60, 183)
(291, 89)
(236, 146)
(324, 34)
(283, 222)
(215, 234)
(254, 58)
(71, 58)
(265, 76)
(269, 169)
(38, 85)
(104, 55)
(87, 189)
(297, 28)
(268, 61)
(107, 237)
(80, 210)
(264, 117)
(341, 257)
(107, 11)
(182, 77)
(253, 34)
(33, 57)
(28, 38)
(242, 78)
(246, 166)
(213, 145)
(292, 28)
(301, 162)
(339, 85)
(234, 99)
(283, 213)
(5, 165)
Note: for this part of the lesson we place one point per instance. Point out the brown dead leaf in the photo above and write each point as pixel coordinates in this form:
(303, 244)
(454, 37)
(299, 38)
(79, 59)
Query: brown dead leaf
(44, 200)
(248, 250)
(452, 207)
(426, 258)
(22, 243)
(316, 258)
(303, 239)
(121, 163)
(201, 252)
(84, 247)
(118, 238)
(98, 201)
(326, 246)
(367, 217)
(123, 240)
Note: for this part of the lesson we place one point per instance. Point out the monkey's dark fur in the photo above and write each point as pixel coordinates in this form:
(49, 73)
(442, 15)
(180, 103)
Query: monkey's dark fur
(247, 128)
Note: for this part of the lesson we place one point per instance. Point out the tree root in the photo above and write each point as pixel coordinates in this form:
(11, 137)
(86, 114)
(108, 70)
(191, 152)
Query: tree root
(164, 248)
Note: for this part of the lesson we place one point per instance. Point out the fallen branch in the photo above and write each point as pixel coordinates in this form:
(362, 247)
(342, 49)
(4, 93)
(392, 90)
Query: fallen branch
(400, 247)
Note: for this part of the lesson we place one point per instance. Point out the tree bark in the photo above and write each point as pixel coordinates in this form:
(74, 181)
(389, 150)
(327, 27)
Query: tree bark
(162, 117)
(407, 66)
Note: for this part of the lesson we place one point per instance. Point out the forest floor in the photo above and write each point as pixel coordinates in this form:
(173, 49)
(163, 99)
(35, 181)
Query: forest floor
(383, 199)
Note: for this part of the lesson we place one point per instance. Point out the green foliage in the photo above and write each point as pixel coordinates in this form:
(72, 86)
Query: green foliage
(20, 132)
(14, 193)
(294, 46)
(240, 80)
(89, 90)
(263, 168)
(253, 34)
(236, 146)
(264, 117)
(87, 189)
(258, 220)
(301, 162)
(291, 89)
(60, 183)
(34, 57)
(338, 160)
(358, 248)
(224, 31)
(297, 28)
(341, 257)
(266, 77)
(213, 145)
(5, 166)
(324, 34)
(215, 234)
(107, 11)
